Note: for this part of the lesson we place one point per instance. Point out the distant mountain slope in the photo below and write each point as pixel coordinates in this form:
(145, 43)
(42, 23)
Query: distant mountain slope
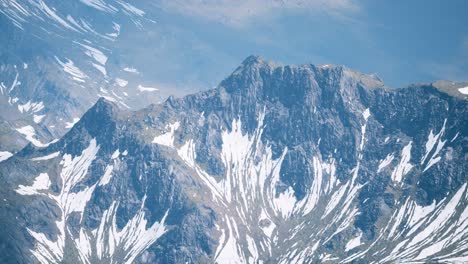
(58, 57)
(279, 164)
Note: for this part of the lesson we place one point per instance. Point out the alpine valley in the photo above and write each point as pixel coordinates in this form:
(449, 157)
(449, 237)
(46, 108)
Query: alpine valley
(276, 164)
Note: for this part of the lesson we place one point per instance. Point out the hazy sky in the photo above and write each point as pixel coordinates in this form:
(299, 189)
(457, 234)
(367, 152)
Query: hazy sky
(401, 41)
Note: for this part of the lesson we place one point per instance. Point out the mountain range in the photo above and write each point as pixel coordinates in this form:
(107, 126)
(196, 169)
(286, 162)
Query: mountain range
(102, 162)
(277, 164)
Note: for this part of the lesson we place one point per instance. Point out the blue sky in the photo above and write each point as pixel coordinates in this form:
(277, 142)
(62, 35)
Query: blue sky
(401, 41)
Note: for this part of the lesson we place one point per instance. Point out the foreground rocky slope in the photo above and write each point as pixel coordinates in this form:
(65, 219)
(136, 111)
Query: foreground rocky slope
(279, 164)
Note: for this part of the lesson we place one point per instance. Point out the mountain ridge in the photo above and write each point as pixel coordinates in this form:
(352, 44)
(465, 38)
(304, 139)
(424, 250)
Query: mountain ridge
(275, 164)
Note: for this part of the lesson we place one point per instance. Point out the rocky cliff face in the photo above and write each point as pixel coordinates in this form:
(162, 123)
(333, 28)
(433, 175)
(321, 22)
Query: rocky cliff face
(279, 164)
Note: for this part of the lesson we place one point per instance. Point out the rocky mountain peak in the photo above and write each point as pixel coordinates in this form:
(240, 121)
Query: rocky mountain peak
(275, 156)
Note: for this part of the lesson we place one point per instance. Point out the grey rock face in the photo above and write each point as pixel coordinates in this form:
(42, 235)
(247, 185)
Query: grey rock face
(279, 164)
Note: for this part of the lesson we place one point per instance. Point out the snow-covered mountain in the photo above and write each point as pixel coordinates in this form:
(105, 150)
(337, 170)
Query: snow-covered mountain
(278, 164)
(58, 57)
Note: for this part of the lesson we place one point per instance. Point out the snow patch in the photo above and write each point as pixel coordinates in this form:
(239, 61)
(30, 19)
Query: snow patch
(99, 5)
(32, 107)
(431, 142)
(51, 14)
(384, 163)
(47, 157)
(366, 114)
(100, 68)
(121, 82)
(38, 118)
(96, 54)
(132, 9)
(41, 183)
(107, 175)
(142, 88)
(131, 70)
(463, 90)
(71, 124)
(167, 139)
(404, 166)
(4, 155)
(116, 154)
(30, 135)
(353, 243)
(70, 68)
(116, 32)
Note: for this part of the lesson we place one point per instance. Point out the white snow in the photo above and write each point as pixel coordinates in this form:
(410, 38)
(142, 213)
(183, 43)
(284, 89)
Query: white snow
(228, 252)
(252, 247)
(285, 202)
(72, 123)
(335, 199)
(384, 163)
(73, 172)
(116, 154)
(32, 107)
(437, 223)
(167, 139)
(431, 142)
(267, 230)
(15, 83)
(38, 118)
(3, 88)
(142, 88)
(12, 100)
(96, 54)
(4, 155)
(420, 212)
(354, 242)
(132, 9)
(47, 157)
(121, 82)
(107, 175)
(366, 114)
(187, 152)
(50, 13)
(131, 70)
(116, 32)
(308, 203)
(251, 181)
(75, 23)
(403, 166)
(100, 5)
(463, 90)
(100, 68)
(41, 183)
(70, 68)
(132, 239)
(431, 229)
(30, 135)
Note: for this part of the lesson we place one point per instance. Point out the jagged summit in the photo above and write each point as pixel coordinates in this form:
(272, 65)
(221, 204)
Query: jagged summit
(252, 60)
(258, 79)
